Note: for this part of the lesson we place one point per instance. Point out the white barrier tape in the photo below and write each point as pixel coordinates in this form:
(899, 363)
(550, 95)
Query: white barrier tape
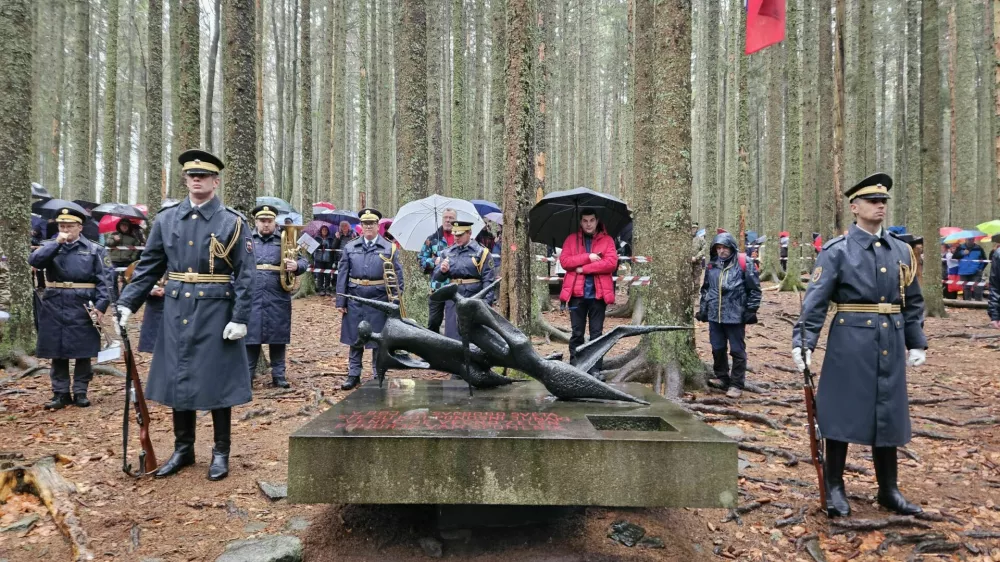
(964, 283)
(635, 280)
(967, 261)
(318, 270)
(633, 259)
(109, 248)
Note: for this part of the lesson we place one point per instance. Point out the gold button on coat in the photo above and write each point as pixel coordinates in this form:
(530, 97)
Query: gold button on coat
(885, 352)
(878, 244)
(880, 298)
(201, 293)
(188, 295)
(882, 270)
(885, 324)
(184, 321)
(841, 320)
(191, 243)
(869, 322)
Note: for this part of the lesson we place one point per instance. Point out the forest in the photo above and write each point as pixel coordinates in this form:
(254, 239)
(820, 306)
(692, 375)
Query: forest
(377, 103)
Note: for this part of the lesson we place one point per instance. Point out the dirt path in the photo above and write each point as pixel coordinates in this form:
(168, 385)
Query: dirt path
(956, 475)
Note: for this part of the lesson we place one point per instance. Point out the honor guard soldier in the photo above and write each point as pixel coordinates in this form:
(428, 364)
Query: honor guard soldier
(468, 265)
(206, 250)
(271, 316)
(78, 273)
(361, 272)
(867, 278)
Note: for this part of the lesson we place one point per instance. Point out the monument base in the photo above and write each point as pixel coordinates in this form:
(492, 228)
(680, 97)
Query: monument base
(429, 442)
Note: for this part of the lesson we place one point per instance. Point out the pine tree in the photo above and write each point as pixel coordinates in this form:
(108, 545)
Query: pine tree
(663, 190)
(459, 146)
(78, 179)
(305, 109)
(930, 152)
(499, 58)
(793, 149)
(519, 138)
(239, 104)
(154, 108)
(16, 103)
(412, 140)
(108, 153)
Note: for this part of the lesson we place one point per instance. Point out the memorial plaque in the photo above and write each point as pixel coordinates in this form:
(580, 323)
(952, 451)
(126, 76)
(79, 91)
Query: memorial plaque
(429, 442)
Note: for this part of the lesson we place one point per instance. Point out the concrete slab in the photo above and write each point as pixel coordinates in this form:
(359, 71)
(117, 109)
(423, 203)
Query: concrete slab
(429, 442)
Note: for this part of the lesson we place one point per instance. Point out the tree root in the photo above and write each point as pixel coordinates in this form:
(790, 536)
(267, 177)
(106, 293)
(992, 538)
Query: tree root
(793, 520)
(977, 534)
(782, 368)
(733, 412)
(908, 453)
(639, 310)
(618, 361)
(937, 400)
(850, 467)
(712, 401)
(845, 525)
(543, 328)
(894, 539)
(953, 423)
(29, 373)
(624, 310)
(637, 367)
(791, 459)
(734, 514)
(107, 370)
(43, 480)
(934, 435)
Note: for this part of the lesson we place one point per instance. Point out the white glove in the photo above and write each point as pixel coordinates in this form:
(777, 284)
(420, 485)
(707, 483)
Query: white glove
(234, 331)
(801, 364)
(916, 358)
(123, 316)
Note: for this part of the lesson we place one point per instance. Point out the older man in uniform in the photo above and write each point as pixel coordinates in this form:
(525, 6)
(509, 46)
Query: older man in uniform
(869, 278)
(78, 273)
(206, 249)
(361, 273)
(271, 316)
(468, 265)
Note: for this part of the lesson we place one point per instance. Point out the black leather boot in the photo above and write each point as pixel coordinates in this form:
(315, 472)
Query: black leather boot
(351, 382)
(184, 424)
(886, 472)
(221, 420)
(833, 473)
(720, 367)
(280, 382)
(59, 401)
(81, 400)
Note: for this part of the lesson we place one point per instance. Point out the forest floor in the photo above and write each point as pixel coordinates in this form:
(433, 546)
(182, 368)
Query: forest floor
(952, 469)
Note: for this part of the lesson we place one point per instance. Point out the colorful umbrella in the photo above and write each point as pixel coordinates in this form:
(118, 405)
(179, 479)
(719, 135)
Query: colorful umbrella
(946, 230)
(384, 224)
(326, 205)
(485, 207)
(991, 227)
(109, 223)
(312, 229)
(963, 235)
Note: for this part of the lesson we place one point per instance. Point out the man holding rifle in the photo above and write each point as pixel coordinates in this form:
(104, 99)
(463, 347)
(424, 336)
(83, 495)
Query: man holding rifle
(869, 278)
(206, 250)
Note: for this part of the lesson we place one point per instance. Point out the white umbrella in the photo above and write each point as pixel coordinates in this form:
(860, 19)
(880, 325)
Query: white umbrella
(418, 220)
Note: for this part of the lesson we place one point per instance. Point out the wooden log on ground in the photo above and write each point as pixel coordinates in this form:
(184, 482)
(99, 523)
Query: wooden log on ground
(955, 303)
(733, 412)
(845, 525)
(57, 493)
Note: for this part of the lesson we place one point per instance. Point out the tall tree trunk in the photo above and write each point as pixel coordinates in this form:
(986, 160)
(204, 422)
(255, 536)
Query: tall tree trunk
(964, 203)
(340, 184)
(772, 184)
(996, 108)
(154, 108)
(499, 95)
(259, 75)
(810, 115)
(825, 86)
(213, 53)
(374, 188)
(930, 155)
(839, 119)
(412, 139)
(710, 174)
(986, 178)
(435, 166)
(79, 181)
(459, 147)
(911, 120)
(662, 176)
(519, 136)
(56, 96)
(125, 137)
(16, 105)
(186, 111)
(793, 148)
(239, 104)
(287, 188)
(305, 108)
(364, 95)
(741, 194)
(280, 47)
(108, 144)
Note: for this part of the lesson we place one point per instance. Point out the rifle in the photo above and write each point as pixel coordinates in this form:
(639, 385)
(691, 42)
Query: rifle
(135, 398)
(815, 438)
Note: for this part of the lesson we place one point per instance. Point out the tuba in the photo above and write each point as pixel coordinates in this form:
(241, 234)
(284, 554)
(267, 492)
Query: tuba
(289, 251)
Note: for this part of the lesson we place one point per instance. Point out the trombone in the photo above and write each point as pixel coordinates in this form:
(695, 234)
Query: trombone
(392, 285)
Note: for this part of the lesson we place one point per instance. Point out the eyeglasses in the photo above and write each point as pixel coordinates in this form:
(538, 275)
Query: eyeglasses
(368, 223)
(197, 174)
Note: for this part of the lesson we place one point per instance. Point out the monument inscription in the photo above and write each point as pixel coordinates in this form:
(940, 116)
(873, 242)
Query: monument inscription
(390, 420)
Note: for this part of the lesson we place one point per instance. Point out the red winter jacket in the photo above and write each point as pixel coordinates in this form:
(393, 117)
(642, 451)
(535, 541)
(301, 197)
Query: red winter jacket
(574, 255)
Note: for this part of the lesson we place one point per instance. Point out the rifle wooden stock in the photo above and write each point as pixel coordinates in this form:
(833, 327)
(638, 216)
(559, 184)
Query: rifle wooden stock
(815, 446)
(134, 397)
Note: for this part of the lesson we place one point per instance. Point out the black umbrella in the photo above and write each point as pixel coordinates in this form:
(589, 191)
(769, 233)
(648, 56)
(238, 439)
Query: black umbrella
(39, 192)
(53, 207)
(557, 215)
(120, 210)
(86, 205)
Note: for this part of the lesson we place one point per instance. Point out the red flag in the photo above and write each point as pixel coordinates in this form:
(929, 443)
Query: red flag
(765, 24)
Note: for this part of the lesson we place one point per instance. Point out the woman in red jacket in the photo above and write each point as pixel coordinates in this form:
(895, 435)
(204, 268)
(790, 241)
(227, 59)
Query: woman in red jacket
(590, 259)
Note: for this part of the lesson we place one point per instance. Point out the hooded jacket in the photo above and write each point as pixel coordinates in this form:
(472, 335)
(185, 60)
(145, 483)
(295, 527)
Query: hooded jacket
(728, 292)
